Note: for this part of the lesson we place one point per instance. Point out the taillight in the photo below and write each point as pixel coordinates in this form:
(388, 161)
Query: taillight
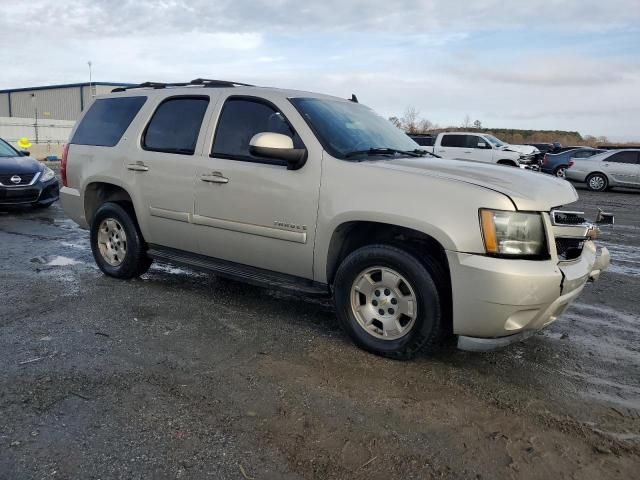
(570, 164)
(544, 160)
(63, 164)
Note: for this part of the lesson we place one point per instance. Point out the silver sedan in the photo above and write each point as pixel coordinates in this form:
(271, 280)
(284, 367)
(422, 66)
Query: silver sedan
(615, 168)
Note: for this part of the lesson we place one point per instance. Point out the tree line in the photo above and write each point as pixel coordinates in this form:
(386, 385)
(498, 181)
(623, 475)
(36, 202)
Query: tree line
(414, 124)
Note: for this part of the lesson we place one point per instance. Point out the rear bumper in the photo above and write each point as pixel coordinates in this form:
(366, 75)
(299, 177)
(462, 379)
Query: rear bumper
(500, 301)
(73, 205)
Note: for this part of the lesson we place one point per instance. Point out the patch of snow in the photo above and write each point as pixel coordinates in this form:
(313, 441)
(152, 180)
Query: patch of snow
(59, 261)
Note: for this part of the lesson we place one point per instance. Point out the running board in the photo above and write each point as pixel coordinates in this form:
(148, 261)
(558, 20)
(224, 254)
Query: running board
(237, 271)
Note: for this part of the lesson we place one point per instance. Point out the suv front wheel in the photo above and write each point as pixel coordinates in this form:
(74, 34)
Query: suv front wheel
(117, 244)
(388, 302)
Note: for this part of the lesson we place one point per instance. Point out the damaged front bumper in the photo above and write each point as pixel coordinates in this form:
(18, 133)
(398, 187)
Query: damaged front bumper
(497, 302)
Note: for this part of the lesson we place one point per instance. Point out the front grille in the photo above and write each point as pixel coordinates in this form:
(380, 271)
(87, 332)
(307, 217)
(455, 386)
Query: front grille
(21, 195)
(569, 248)
(25, 179)
(567, 218)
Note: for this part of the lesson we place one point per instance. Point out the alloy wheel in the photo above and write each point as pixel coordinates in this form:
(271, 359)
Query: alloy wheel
(384, 303)
(597, 182)
(112, 242)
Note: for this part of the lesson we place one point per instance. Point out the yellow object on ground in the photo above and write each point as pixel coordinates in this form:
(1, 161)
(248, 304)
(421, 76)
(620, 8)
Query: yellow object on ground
(23, 143)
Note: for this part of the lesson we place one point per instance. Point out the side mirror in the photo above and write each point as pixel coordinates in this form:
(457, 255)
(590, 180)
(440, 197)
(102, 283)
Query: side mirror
(279, 147)
(603, 218)
(25, 153)
(482, 145)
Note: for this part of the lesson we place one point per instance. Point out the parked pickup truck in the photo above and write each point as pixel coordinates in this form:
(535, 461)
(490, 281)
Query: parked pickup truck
(321, 196)
(478, 147)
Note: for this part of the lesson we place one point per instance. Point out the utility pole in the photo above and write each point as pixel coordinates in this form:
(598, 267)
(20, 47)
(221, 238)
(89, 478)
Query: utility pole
(35, 106)
(90, 82)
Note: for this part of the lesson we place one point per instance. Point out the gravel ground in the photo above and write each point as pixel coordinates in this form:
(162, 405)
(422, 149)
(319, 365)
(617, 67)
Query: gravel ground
(183, 375)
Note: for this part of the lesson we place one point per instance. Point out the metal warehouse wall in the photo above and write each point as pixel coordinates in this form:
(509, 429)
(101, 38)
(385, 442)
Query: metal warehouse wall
(52, 103)
(4, 104)
(55, 103)
(98, 89)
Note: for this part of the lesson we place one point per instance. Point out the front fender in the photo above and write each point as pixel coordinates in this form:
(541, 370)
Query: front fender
(445, 210)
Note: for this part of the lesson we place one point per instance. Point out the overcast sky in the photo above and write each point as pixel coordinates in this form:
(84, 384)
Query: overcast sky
(554, 64)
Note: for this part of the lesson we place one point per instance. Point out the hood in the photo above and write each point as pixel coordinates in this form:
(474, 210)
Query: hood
(528, 190)
(523, 149)
(19, 165)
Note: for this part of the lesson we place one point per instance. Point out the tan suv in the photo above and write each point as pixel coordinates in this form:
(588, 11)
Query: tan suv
(320, 195)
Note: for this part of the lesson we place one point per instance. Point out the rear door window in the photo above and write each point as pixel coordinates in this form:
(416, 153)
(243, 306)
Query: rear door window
(107, 120)
(175, 125)
(423, 141)
(453, 141)
(623, 157)
(581, 154)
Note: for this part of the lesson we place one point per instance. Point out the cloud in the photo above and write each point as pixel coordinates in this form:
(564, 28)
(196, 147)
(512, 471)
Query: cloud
(117, 17)
(567, 71)
(570, 64)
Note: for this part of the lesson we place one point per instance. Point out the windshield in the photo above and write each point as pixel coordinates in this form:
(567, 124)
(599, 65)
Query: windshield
(495, 141)
(348, 128)
(7, 150)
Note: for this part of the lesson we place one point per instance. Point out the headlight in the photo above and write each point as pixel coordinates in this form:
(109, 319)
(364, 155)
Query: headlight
(47, 174)
(513, 233)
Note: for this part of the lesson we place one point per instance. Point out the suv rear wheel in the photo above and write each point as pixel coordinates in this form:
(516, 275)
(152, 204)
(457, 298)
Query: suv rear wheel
(117, 244)
(388, 302)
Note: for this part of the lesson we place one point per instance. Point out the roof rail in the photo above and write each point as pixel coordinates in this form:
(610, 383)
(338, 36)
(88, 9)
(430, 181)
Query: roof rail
(207, 82)
(204, 82)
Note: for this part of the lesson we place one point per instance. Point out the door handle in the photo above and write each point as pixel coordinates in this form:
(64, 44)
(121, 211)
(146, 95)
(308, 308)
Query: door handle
(468, 151)
(137, 167)
(214, 177)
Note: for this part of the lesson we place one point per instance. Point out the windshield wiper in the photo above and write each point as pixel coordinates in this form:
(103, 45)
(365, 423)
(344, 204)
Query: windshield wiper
(427, 152)
(386, 151)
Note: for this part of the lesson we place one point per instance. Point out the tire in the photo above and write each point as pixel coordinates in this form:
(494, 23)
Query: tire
(116, 242)
(561, 171)
(597, 182)
(394, 334)
(508, 163)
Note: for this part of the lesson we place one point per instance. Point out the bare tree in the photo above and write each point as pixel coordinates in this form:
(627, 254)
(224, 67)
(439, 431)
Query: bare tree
(467, 121)
(477, 124)
(396, 121)
(412, 123)
(410, 120)
(424, 125)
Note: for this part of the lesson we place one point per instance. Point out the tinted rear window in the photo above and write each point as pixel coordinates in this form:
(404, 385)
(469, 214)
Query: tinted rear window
(453, 141)
(107, 120)
(423, 141)
(623, 157)
(175, 125)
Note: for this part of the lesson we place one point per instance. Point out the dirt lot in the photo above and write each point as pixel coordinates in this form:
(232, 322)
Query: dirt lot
(184, 375)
